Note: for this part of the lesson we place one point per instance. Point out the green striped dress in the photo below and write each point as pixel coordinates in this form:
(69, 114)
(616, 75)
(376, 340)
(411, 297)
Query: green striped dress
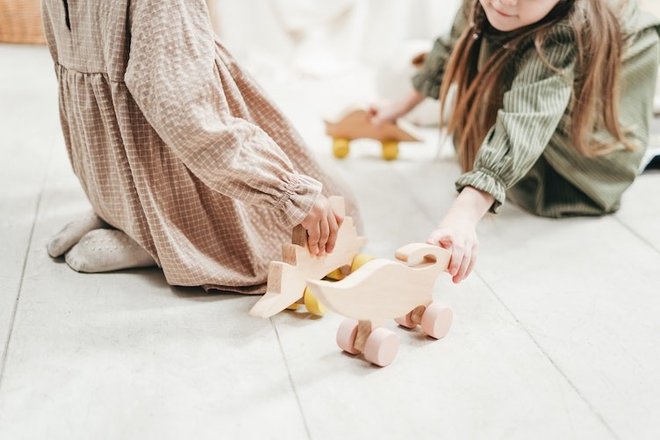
(527, 155)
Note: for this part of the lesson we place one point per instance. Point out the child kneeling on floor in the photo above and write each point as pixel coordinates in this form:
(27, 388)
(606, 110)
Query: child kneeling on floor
(177, 148)
(552, 108)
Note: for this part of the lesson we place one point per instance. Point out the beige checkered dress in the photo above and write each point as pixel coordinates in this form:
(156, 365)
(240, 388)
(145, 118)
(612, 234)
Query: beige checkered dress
(174, 144)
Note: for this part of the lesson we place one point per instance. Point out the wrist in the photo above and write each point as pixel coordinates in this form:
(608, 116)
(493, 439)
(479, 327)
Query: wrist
(471, 205)
(412, 100)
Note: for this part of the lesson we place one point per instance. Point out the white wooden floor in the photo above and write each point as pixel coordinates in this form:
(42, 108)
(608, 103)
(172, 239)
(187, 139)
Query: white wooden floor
(556, 336)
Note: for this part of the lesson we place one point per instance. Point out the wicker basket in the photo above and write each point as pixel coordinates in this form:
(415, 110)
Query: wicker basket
(20, 22)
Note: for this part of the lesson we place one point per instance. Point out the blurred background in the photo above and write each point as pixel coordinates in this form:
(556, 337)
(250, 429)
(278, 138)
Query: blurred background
(370, 42)
(335, 45)
(320, 38)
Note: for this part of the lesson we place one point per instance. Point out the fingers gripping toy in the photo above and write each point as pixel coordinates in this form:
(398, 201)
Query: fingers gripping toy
(384, 289)
(356, 125)
(287, 278)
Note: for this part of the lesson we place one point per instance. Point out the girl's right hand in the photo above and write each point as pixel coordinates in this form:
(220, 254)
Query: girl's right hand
(321, 224)
(460, 238)
(458, 231)
(387, 113)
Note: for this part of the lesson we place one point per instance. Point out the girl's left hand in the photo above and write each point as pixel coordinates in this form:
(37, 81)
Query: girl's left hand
(458, 236)
(458, 231)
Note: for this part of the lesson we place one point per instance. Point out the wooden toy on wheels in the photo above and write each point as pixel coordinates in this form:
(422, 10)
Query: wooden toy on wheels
(383, 289)
(356, 125)
(287, 278)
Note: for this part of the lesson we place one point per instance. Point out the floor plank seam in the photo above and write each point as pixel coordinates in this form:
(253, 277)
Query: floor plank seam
(636, 234)
(293, 385)
(423, 209)
(552, 362)
(415, 200)
(5, 354)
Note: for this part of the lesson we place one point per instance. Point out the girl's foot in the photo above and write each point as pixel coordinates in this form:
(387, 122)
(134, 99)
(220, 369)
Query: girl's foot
(72, 233)
(106, 250)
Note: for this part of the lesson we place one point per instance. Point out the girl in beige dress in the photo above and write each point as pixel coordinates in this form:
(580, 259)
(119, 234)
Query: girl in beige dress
(185, 162)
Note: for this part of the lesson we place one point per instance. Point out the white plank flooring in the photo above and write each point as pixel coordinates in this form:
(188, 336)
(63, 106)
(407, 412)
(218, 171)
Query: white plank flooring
(556, 334)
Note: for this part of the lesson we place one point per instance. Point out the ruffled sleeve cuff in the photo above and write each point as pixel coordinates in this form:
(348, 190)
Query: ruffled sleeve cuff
(427, 84)
(299, 195)
(484, 181)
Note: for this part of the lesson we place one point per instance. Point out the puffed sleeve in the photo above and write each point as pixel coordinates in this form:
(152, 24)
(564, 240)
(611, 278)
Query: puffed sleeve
(531, 112)
(427, 81)
(173, 78)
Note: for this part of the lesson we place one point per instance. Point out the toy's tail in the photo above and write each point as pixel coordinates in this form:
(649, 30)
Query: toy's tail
(416, 254)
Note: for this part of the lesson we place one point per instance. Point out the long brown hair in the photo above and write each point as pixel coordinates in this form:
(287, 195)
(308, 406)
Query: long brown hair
(479, 91)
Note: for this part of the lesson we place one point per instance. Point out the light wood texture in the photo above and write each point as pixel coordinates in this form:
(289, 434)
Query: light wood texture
(381, 347)
(436, 320)
(584, 289)
(364, 329)
(287, 278)
(555, 334)
(113, 356)
(384, 289)
(346, 336)
(26, 149)
(356, 125)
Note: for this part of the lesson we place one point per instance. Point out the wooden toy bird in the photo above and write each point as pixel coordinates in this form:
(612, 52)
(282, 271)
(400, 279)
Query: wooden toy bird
(384, 289)
(287, 278)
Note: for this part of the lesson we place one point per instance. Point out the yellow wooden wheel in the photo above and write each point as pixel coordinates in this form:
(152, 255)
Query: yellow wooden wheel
(335, 275)
(340, 147)
(360, 260)
(312, 303)
(390, 150)
(294, 306)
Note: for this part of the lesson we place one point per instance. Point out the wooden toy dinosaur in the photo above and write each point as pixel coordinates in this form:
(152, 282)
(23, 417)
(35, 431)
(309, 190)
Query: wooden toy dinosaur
(384, 289)
(356, 125)
(287, 278)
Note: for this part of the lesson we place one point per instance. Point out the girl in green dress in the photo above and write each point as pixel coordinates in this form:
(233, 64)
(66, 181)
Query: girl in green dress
(552, 106)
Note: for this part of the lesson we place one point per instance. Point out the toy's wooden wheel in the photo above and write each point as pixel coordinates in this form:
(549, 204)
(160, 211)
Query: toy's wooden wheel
(360, 260)
(381, 347)
(294, 306)
(437, 320)
(340, 147)
(335, 275)
(406, 321)
(312, 304)
(411, 319)
(346, 336)
(390, 150)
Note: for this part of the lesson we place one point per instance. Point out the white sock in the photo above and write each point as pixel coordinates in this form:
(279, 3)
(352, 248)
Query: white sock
(72, 233)
(105, 250)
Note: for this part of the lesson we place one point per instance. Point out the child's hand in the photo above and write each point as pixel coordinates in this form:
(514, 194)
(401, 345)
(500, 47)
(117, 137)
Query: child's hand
(389, 113)
(383, 114)
(321, 225)
(460, 238)
(458, 231)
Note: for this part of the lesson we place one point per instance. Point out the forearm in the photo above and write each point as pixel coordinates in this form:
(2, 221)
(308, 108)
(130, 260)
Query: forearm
(411, 100)
(391, 112)
(457, 231)
(470, 205)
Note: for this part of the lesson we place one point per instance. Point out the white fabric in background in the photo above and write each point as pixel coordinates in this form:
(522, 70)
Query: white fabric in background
(321, 37)
(281, 39)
